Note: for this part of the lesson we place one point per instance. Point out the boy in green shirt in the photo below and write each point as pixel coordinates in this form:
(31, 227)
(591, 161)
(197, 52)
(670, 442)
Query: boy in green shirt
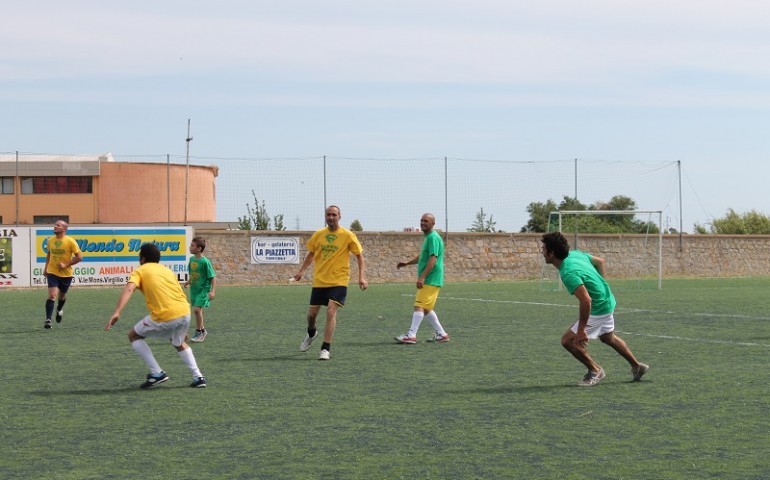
(202, 282)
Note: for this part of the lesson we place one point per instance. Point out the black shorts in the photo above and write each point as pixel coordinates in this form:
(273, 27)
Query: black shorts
(62, 283)
(322, 295)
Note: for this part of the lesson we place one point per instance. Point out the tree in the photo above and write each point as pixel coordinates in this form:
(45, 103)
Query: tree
(355, 226)
(539, 213)
(257, 218)
(541, 219)
(733, 223)
(278, 222)
(481, 224)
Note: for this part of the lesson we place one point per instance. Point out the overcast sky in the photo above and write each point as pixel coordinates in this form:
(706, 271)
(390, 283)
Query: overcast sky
(657, 81)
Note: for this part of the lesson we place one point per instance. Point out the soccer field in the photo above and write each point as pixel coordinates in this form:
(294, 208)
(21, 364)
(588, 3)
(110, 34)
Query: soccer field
(498, 401)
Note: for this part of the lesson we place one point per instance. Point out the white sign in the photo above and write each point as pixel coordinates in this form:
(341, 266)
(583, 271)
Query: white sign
(274, 250)
(14, 257)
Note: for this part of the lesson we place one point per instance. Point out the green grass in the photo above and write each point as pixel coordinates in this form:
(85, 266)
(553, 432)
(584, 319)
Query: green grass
(498, 401)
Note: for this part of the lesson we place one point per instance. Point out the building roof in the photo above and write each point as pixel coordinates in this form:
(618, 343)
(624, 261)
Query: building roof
(48, 157)
(39, 165)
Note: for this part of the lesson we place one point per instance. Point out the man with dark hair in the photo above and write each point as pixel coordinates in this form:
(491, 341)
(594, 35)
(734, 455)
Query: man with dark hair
(583, 277)
(169, 315)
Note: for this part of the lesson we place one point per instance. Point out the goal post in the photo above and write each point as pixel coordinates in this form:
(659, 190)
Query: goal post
(637, 257)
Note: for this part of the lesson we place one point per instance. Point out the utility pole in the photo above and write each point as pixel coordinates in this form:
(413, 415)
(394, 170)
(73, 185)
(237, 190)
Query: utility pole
(187, 171)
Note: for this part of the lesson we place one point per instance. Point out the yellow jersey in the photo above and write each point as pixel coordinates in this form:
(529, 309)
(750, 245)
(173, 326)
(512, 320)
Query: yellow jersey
(331, 252)
(163, 294)
(61, 250)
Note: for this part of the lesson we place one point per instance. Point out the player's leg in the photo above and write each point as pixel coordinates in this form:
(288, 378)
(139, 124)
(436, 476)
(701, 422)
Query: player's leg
(53, 291)
(331, 324)
(136, 335)
(335, 299)
(312, 331)
(179, 329)
(580, 352)
(422, 304)
(200, 330)
(331, 321)
(410, 337)
(440, 334)
(638, 369)
(64, 286)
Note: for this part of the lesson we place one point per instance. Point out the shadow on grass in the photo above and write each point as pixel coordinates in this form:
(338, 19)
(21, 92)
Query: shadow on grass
(295, 357)
(527, 389)
(100, 391)
(507, 389)
(108, 391)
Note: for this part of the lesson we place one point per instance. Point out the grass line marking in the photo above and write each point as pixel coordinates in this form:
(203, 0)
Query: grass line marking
(698, 340)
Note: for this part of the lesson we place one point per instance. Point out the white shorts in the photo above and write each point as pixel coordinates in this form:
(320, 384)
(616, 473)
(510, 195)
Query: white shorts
(597, 325)
(174, 330)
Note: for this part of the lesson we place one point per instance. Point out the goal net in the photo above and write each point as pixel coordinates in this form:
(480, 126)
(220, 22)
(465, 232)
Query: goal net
(631, 242)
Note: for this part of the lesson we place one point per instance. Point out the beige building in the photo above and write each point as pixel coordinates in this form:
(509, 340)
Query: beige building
(87, 189)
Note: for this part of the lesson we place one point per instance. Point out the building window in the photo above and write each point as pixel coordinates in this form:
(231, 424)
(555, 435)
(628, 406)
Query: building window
(7, 186)
(57, 185)
(49, 219)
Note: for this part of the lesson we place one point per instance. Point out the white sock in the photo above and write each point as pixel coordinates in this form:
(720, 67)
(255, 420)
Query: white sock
(141, 347)
(189, 359)
(416, 321)
(433, 319)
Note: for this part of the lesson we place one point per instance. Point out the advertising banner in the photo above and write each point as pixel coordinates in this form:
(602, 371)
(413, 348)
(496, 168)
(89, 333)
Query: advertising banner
(14, 257)
(274, 250)
(110, 254)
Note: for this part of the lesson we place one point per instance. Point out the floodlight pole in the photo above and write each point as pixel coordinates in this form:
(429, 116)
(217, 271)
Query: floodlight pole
(446, 201)
(681, 224)
(187, 171)
(324, 209)
(16, 190)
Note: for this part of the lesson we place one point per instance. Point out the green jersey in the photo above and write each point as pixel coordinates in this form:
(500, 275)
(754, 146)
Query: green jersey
(201, 272)
(577, 270)
(433, 245)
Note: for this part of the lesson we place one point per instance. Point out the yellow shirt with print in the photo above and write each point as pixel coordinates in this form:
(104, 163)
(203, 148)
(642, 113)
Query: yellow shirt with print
(61, 250)
(331, 252)
(163, 294)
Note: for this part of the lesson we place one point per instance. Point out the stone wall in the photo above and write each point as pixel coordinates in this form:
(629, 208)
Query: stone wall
(503, 256)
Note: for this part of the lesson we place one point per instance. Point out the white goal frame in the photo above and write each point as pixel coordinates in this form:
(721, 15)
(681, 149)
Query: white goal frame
(624, 212)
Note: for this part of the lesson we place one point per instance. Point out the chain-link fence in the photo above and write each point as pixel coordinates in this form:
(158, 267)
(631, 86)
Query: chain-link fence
(387, 194)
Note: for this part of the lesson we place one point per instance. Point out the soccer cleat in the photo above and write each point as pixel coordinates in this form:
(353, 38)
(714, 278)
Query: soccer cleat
(324, 355)
(47, 323)
(405, 338)
(592, 378)
(439, 338)
(639, 371)
(153, 380)
(199, 382)
(307, 341)
(199, 336)
(59, 314)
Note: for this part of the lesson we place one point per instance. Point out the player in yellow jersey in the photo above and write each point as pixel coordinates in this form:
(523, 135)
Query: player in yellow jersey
(63, 253)
(169, 316)
(330, 249)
